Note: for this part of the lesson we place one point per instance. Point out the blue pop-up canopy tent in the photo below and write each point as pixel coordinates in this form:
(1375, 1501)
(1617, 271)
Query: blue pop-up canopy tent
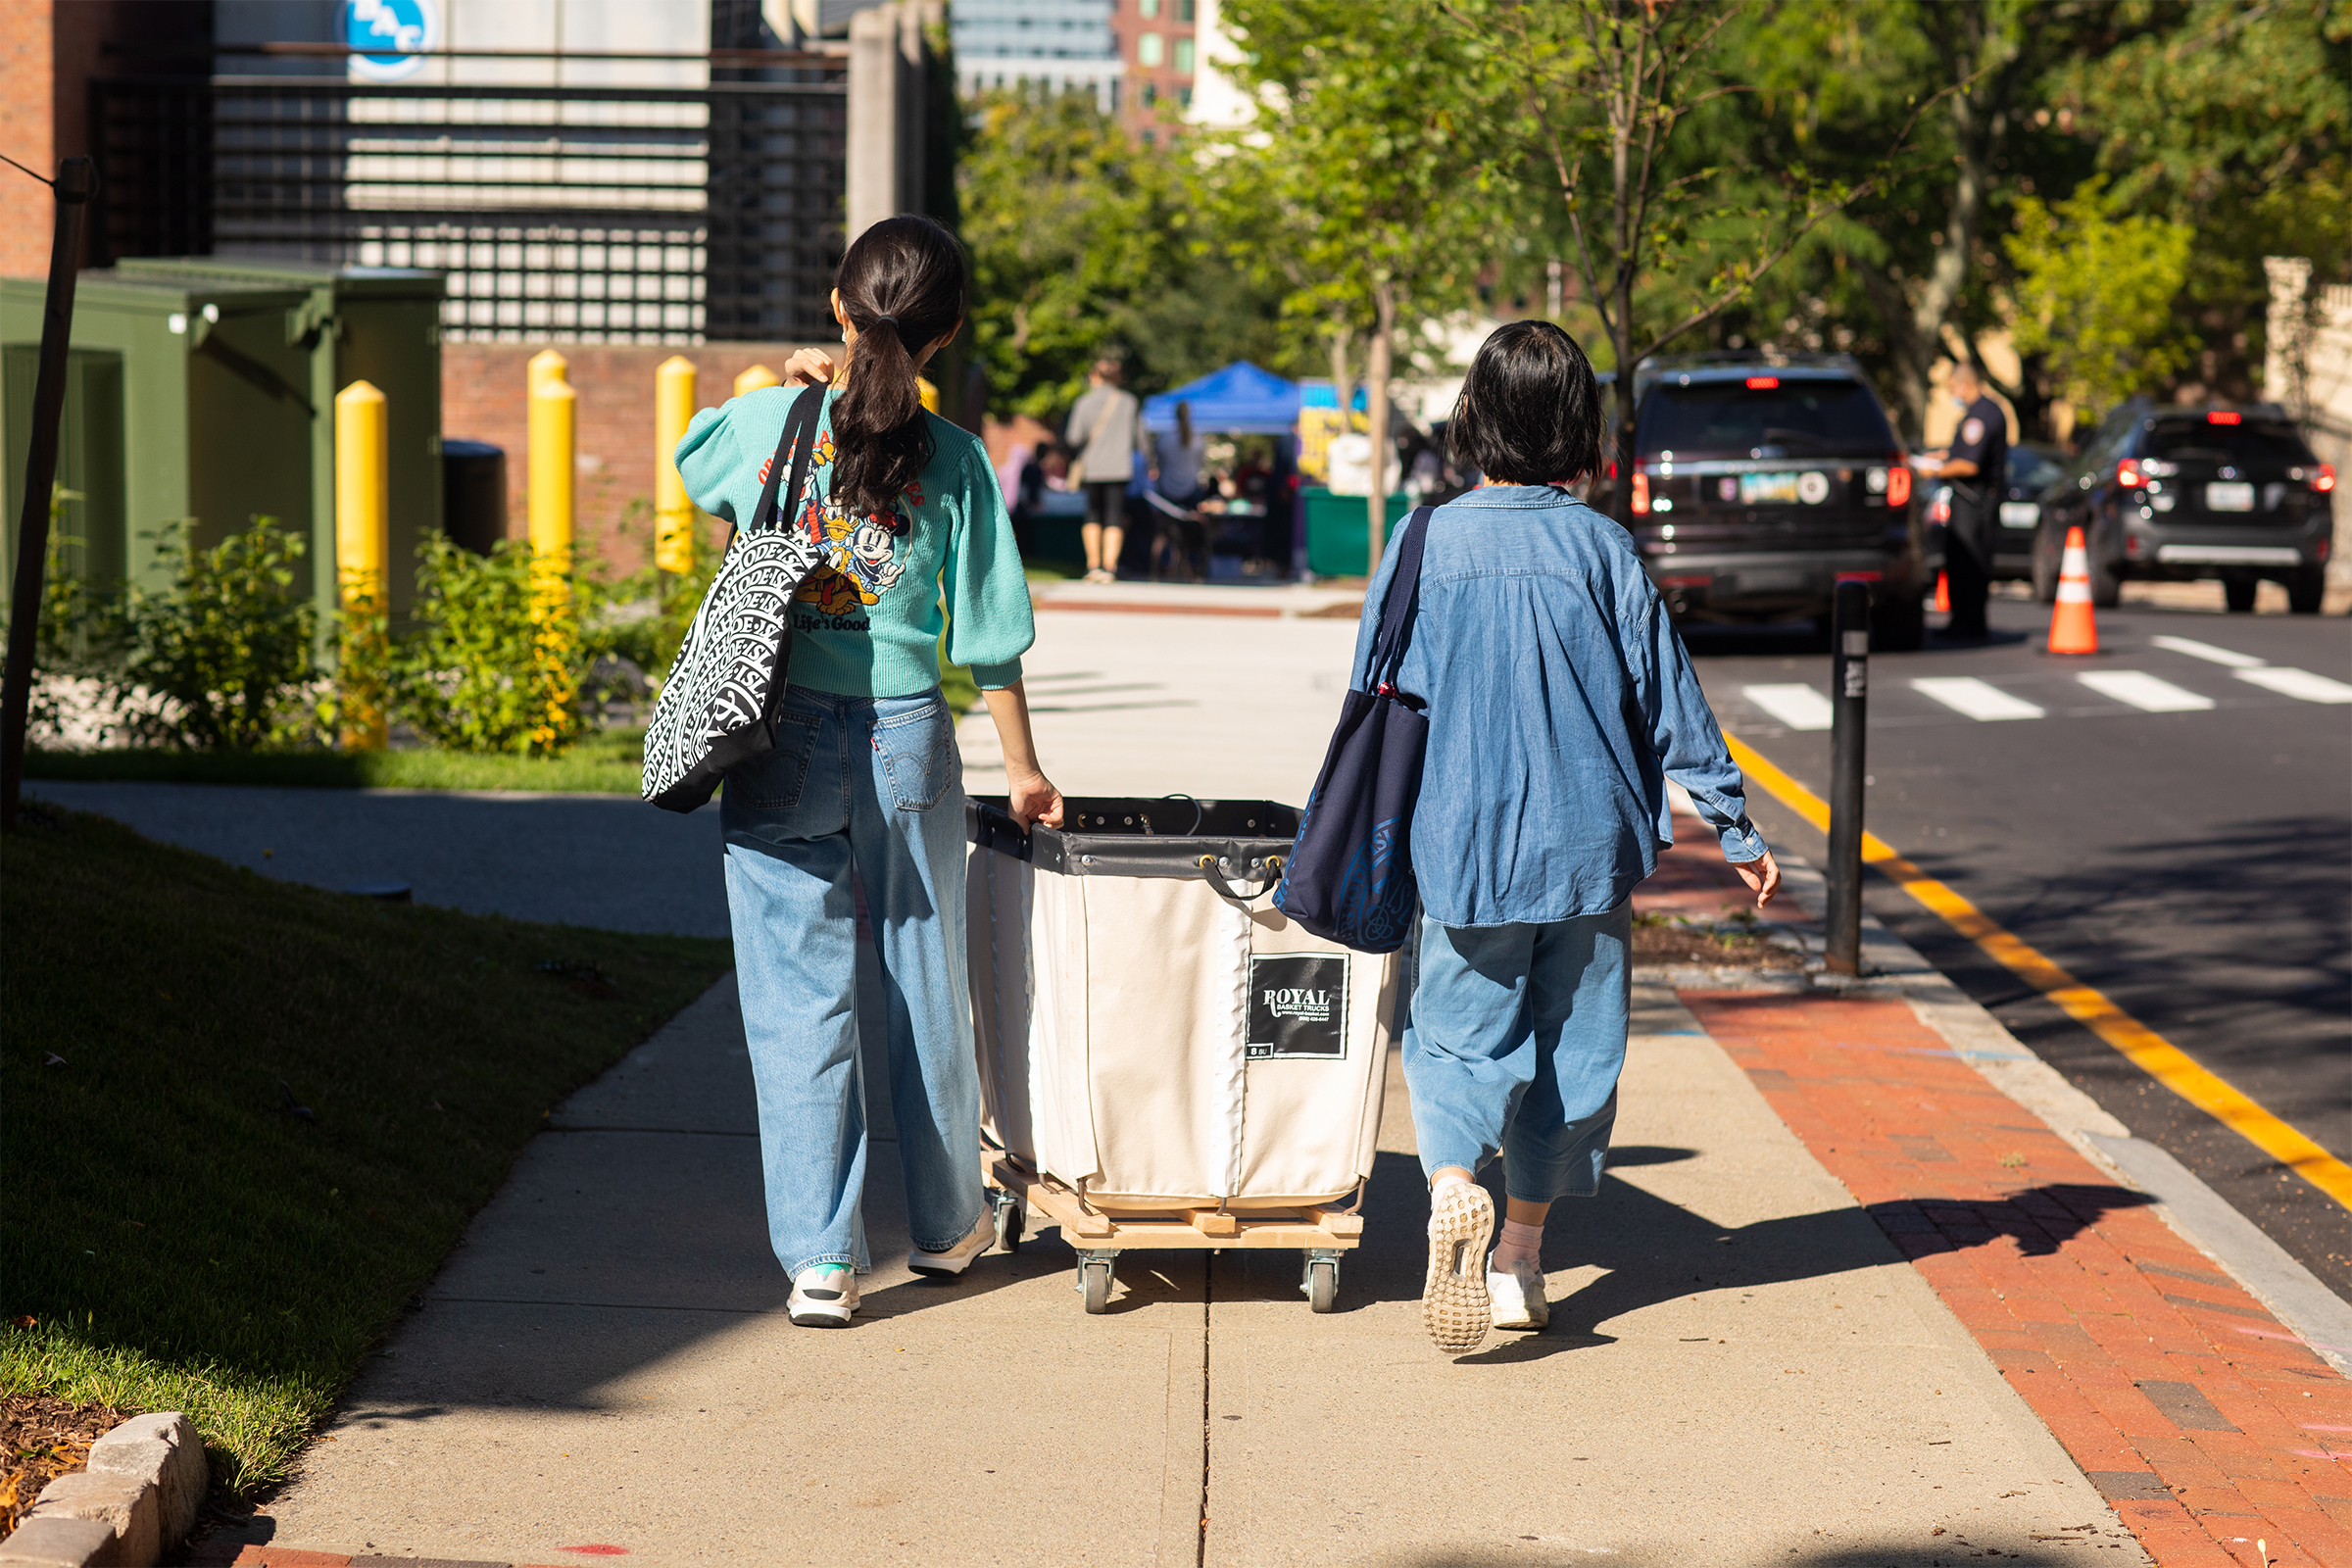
(1239, 400)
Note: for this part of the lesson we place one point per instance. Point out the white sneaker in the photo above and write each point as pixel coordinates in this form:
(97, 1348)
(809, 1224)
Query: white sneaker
(823, 1297)
(956, 1259)
(1455, 1306)
(1518, 1296)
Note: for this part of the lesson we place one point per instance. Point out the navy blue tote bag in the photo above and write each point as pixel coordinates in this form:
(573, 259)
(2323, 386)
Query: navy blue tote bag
(1349, 880)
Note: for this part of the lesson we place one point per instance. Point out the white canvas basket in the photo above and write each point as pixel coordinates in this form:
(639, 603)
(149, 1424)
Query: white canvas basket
(1151, 1038)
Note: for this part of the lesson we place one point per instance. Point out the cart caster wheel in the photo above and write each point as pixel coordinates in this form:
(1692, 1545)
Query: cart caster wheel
(1094, 1279)
(1321, 1283)
(1011, 1222)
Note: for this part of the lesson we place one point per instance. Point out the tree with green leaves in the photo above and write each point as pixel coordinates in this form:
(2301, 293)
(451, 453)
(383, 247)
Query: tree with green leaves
(1371, 166)
(2096, 291)
(1597, 93)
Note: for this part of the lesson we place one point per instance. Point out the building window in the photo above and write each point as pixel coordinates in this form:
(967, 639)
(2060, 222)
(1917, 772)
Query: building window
(1184, 98)
(1146, 8)
(1151, 94)
(1147, 50)
(1184, 10)
(1183, 56)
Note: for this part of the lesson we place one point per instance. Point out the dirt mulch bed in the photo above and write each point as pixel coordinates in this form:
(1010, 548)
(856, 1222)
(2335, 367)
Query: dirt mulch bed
(1669, 939)
(41, 1440)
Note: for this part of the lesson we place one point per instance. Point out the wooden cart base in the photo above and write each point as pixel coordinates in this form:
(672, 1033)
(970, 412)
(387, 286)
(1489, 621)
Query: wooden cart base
(1322, 1230)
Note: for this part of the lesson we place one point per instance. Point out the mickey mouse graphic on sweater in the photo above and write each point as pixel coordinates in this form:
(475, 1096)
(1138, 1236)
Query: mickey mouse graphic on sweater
(860, 561)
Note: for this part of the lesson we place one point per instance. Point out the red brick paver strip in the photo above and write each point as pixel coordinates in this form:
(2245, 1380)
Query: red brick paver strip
(2203, 1420)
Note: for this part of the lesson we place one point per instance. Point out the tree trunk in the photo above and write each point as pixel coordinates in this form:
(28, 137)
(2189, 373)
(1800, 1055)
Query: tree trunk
(1343, 385)
(1376, 379)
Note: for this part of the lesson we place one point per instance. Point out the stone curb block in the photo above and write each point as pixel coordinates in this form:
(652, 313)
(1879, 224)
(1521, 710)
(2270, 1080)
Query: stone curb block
(139, 1492)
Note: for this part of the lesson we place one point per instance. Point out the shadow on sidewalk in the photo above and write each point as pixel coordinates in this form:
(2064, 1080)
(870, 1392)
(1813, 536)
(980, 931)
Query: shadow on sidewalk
(1654, 1251)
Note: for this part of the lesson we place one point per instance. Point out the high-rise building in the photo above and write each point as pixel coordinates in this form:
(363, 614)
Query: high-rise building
(1039, 45)
(1159, 47)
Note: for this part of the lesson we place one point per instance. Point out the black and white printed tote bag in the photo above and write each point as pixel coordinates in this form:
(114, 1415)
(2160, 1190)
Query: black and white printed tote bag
(718, 706)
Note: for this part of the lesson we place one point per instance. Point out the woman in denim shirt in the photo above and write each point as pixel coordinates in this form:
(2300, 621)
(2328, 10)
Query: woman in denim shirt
(1560, 701)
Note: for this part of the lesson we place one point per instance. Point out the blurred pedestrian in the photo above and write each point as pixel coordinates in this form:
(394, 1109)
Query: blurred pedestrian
(1107, 430)
(863, 789)
(1975, 464)
(1559, 701)
(1180, 460)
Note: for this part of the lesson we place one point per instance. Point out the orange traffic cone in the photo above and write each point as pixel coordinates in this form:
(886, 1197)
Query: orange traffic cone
(2073, 630)
(1944, 593)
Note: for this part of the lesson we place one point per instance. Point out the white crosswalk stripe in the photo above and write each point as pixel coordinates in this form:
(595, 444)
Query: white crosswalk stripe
(2301, 684)
(2144, 691)
(1978, 700)
(1795, 706)
(2206, 651)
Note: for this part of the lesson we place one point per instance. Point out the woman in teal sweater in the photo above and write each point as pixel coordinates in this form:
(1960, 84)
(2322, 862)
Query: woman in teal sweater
(865, 780)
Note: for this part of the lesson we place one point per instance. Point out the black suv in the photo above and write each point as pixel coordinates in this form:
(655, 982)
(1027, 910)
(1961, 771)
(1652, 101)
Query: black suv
(1758, 484)
(2178, 493)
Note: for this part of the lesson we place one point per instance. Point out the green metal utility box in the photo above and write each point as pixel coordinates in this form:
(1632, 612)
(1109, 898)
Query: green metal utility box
(204, 388)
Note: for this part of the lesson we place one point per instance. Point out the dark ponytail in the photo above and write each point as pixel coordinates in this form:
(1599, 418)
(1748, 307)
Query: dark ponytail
(902, 287)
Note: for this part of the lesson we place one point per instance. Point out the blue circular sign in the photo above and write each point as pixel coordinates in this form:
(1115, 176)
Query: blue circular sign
(391, 36)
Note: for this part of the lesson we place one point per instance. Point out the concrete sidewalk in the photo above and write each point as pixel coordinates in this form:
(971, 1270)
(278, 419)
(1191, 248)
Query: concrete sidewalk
(1743, 1368)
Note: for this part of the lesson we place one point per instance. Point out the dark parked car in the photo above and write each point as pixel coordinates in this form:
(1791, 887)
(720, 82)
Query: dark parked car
(1757, 486)
(2032, 470)
(2178, 494)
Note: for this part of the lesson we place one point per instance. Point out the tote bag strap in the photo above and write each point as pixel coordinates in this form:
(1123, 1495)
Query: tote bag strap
(1403, 602)
(798, 442)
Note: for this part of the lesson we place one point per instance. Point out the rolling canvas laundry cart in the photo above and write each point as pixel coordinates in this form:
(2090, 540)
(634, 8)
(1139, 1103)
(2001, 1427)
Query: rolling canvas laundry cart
(1166, 1061)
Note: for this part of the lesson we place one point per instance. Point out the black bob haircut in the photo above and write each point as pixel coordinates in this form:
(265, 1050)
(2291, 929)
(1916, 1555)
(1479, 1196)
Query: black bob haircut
(1530, 408)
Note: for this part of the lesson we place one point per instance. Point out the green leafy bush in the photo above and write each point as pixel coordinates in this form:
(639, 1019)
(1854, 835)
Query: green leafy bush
(494, 662)
(221, 660)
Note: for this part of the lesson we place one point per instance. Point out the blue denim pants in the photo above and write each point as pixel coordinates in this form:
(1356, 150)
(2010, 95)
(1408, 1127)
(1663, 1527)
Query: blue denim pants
(875, 785)
(1516, 1038)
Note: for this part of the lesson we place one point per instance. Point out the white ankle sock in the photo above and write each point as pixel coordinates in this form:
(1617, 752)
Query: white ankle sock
(1519, 1243)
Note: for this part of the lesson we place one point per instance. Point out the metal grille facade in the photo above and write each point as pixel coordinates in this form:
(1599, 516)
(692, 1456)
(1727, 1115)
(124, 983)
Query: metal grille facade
(596, 215)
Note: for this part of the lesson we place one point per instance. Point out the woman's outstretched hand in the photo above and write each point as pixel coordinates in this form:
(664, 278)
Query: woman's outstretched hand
(1035, 799)
(1763, 877)
(809, 367)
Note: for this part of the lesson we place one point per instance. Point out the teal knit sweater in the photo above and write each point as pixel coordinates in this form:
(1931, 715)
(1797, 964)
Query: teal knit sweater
(867, 624)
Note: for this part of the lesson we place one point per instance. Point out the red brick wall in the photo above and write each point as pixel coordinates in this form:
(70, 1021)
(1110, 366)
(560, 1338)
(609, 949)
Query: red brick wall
(27, 133)
(483, 400)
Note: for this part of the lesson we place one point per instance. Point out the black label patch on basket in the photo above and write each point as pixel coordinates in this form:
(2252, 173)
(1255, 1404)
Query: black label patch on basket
(1299, 1005)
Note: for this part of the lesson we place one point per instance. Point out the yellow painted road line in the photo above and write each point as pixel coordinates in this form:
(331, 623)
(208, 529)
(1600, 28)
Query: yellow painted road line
(2145, 1049)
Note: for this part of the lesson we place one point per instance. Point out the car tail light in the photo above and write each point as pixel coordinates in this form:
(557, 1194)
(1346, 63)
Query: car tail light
(1641, 495)
(2320, 551)
(1898, 485)
(1762, 384)
(1940, 510)
(2134, 546)
(2223, 416)
(2128, 474)
(1688, 579)
(2324, 480)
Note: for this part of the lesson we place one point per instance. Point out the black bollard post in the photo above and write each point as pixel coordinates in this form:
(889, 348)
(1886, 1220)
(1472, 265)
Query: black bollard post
(1849, 701)
(77, 183)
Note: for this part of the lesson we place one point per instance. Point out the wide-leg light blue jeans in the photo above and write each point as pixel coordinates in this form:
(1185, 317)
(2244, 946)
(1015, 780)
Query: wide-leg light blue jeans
(873, 784)
(1516, 1038)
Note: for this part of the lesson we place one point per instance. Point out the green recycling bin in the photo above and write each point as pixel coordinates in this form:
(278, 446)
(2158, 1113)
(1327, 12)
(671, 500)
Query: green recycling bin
(1339, 532)
(203, 388)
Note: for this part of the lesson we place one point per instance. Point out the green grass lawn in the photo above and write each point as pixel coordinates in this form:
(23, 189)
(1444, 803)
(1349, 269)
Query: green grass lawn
(606, 762)
(179, 1234)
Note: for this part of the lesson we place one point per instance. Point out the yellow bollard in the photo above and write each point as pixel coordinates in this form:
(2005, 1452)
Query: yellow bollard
(757, 377)
(552, 466)
(363, 542)
(546, 365)
(552, 463)
(673, 510)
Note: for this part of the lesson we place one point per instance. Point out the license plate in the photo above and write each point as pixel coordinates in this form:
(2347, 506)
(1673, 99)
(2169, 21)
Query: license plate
(2019, 513)
(2228, 498)
(1764, 489)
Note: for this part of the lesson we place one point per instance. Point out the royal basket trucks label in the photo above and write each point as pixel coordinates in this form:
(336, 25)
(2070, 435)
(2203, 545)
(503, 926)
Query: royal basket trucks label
(1299, 1005)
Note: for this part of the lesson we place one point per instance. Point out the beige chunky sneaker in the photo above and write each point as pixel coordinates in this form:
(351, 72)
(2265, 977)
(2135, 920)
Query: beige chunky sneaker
(1517, 1295)
(1455, 1306)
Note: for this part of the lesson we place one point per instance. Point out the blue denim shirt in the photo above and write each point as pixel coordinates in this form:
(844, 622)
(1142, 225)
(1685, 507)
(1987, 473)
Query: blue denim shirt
(1560, 701)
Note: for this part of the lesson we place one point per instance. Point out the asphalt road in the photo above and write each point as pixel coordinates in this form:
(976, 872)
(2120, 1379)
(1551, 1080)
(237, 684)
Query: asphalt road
(2194, 864)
